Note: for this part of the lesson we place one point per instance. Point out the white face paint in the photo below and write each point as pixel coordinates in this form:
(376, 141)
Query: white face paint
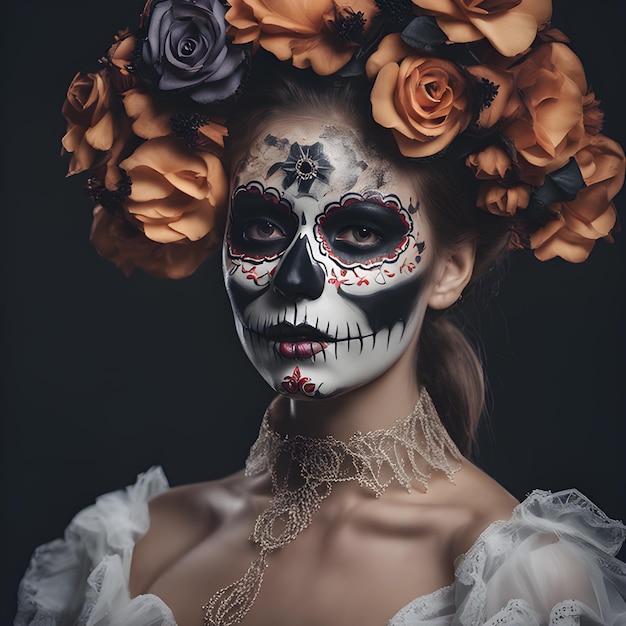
(325, 257)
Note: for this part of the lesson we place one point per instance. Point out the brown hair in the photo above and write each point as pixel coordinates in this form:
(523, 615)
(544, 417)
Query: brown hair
(447, 364)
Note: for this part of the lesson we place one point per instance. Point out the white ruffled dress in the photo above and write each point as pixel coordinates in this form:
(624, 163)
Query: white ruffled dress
(551, 564)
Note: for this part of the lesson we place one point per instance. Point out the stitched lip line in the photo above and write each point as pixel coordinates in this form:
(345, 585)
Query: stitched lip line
(285, 331)
(288, 332)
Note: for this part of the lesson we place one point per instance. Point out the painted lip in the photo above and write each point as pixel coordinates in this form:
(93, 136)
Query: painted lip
(301, 341)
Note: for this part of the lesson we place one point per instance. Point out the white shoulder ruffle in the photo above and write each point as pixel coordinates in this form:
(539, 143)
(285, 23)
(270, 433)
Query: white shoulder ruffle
(551, 564)
(83, 578)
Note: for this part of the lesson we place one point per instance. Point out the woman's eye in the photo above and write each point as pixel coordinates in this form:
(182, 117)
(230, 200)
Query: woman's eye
(262, 231)
(360, 236)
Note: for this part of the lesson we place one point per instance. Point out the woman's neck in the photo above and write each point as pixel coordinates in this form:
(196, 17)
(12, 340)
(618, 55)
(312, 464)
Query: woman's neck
(378, 404)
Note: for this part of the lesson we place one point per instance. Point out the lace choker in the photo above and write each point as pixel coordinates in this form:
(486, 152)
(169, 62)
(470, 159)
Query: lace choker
(303, 471)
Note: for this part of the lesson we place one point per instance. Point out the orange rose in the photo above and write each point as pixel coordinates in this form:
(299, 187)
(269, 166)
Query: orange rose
(320, 34)
(177, 194)
(423, 100)
(96, 130)
(509, 25)
(121, 243)
(548, 128)
(492, 162)
(501, 200)
(591, 214)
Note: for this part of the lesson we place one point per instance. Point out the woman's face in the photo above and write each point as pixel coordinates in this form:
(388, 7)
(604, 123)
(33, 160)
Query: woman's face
(326, 257)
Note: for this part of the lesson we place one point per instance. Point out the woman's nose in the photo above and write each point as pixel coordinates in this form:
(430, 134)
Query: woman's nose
(299, 276)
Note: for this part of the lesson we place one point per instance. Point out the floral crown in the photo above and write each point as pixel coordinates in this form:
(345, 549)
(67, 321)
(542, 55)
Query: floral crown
(487, 81)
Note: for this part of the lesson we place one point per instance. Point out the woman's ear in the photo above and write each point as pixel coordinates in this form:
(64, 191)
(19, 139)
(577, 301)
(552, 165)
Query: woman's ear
(452, 276)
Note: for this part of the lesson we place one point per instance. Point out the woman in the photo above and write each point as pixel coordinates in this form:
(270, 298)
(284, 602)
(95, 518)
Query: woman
(319, 218)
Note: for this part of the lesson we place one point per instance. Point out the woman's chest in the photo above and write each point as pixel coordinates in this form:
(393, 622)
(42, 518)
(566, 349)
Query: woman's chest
(356, 571)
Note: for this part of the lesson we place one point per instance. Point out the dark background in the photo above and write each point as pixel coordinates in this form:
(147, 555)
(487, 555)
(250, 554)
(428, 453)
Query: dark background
(105, 376)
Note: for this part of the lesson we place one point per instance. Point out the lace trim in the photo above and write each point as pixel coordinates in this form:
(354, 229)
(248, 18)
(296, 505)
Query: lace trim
(99, 540)
(515, 613)
(426, 607)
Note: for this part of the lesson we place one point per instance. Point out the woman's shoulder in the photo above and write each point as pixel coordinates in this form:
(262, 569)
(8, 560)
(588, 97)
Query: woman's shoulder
(566, 516)
(546, 559)
(472, 502)
(183, 517)
(125, 534)
(553, 559)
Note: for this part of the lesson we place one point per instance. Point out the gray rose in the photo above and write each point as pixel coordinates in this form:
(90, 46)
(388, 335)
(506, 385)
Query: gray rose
(186, 50)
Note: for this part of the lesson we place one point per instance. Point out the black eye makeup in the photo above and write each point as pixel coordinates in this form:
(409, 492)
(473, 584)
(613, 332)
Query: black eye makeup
(262, 224)
(362, 230)
(262, 231)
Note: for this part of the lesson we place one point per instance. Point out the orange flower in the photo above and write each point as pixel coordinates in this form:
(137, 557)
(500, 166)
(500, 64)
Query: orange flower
(492, 162)
(320, 34)
(177, 194)
(118, 241)
(509, 25)
(96, 129)
(591, 215)
(548, 128)
(424, 100)
(501, 200)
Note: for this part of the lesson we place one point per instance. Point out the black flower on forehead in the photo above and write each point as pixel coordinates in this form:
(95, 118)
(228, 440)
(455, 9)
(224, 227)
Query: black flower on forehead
(304, 164)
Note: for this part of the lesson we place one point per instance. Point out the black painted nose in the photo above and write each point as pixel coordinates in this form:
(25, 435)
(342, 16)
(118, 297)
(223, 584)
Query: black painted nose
(298, 276)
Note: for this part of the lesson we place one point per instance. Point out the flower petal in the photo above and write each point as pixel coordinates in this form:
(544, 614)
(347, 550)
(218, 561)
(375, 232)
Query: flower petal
(147, 183)
(459, 31)
(162, 233)
(148, 123)
(509, 33)
(100, 136)
(390, 49)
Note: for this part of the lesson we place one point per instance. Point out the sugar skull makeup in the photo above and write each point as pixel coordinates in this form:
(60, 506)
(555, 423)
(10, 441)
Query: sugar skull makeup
(324, 259)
